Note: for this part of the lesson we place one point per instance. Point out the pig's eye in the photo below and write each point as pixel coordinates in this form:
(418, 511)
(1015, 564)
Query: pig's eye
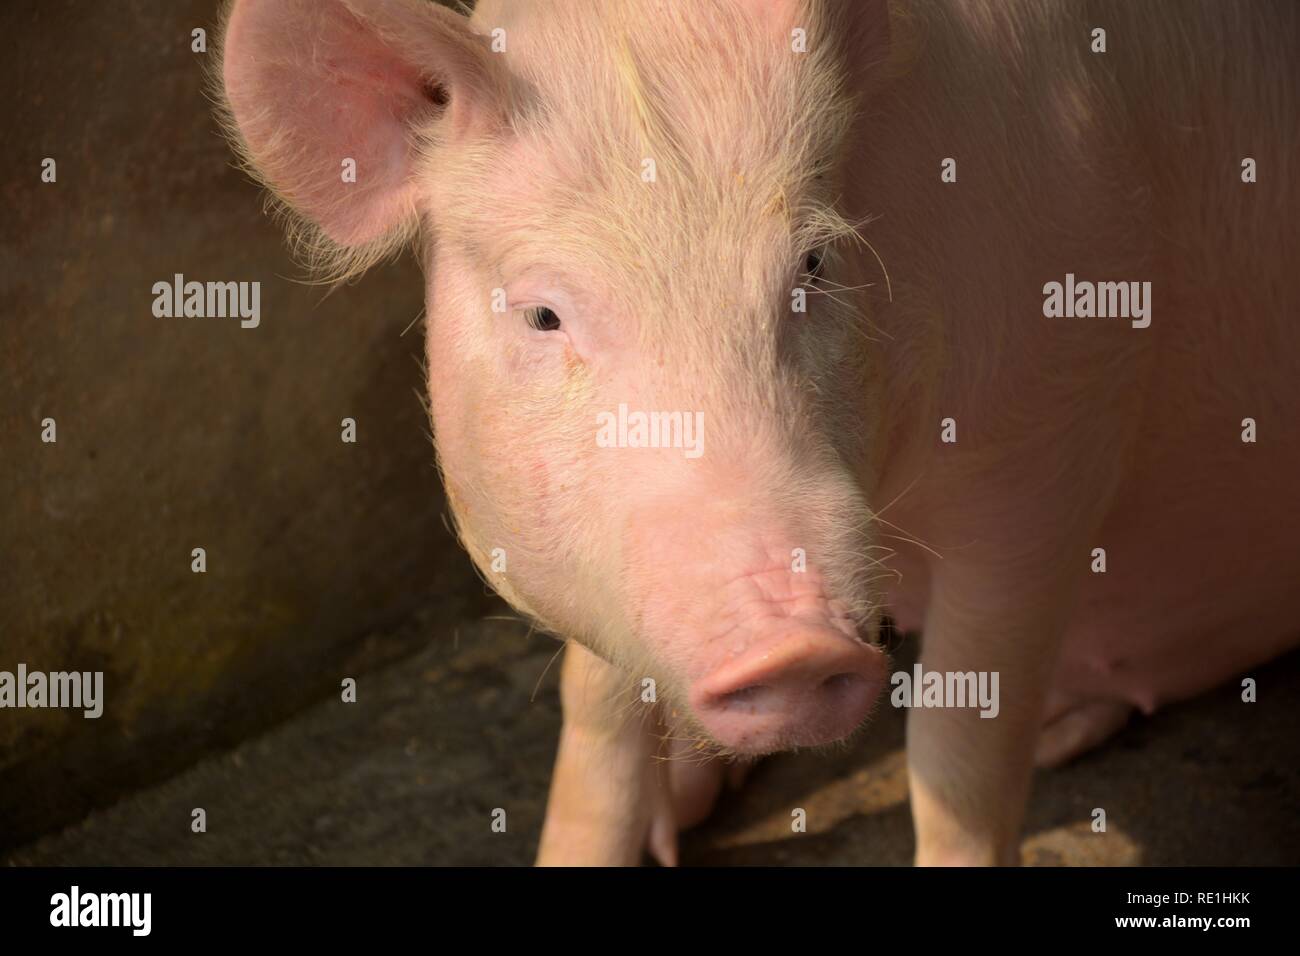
(812, 264)
(542, 319)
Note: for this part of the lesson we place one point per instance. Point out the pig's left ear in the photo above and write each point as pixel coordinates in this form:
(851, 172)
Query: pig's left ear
(326, 98)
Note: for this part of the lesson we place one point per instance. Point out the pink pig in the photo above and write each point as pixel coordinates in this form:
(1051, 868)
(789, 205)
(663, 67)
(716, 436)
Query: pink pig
(982, 314)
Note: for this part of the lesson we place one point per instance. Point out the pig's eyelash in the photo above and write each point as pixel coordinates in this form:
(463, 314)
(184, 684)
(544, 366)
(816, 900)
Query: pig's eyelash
(821, 225)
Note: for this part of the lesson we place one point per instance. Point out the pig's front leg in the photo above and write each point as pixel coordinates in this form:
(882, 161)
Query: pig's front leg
(603, 789)
(970, 775)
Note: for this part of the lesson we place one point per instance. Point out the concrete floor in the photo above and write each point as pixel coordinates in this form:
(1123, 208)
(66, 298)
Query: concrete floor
(411, 773)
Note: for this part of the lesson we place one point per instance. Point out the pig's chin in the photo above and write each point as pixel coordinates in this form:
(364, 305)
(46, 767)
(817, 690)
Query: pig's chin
(796, 683)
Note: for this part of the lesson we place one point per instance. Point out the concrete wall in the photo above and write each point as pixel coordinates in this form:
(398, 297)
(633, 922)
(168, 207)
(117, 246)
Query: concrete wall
(177, 433)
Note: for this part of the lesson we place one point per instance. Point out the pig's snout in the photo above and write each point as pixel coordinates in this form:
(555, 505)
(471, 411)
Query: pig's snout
(807, 684)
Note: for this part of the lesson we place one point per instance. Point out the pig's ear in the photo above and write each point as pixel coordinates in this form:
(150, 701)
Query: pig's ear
(317, 89)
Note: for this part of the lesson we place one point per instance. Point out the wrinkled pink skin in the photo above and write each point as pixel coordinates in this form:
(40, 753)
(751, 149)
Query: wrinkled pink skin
(1073, 434)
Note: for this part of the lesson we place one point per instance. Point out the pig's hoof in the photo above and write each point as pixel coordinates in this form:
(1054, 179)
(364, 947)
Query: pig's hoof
(693, 789)
(1077, 731)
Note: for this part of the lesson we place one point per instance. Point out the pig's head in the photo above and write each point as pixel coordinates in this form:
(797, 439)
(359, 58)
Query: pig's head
(622, 207)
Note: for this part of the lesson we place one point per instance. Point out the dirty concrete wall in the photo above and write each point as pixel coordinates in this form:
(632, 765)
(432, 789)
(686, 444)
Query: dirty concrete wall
(175, 434)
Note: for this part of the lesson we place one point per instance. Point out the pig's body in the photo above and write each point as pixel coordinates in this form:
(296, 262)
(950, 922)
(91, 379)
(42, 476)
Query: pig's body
(526, 168)
(1117, 166)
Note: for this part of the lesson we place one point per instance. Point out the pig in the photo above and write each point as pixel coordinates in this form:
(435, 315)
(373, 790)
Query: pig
(837, 236)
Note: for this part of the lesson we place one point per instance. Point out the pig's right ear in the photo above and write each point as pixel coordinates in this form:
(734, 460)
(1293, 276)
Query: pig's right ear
(327, 100)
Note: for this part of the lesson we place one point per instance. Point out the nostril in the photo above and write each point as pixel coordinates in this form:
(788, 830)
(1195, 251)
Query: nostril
(838, 683)
(758, 698)
(746, 698)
